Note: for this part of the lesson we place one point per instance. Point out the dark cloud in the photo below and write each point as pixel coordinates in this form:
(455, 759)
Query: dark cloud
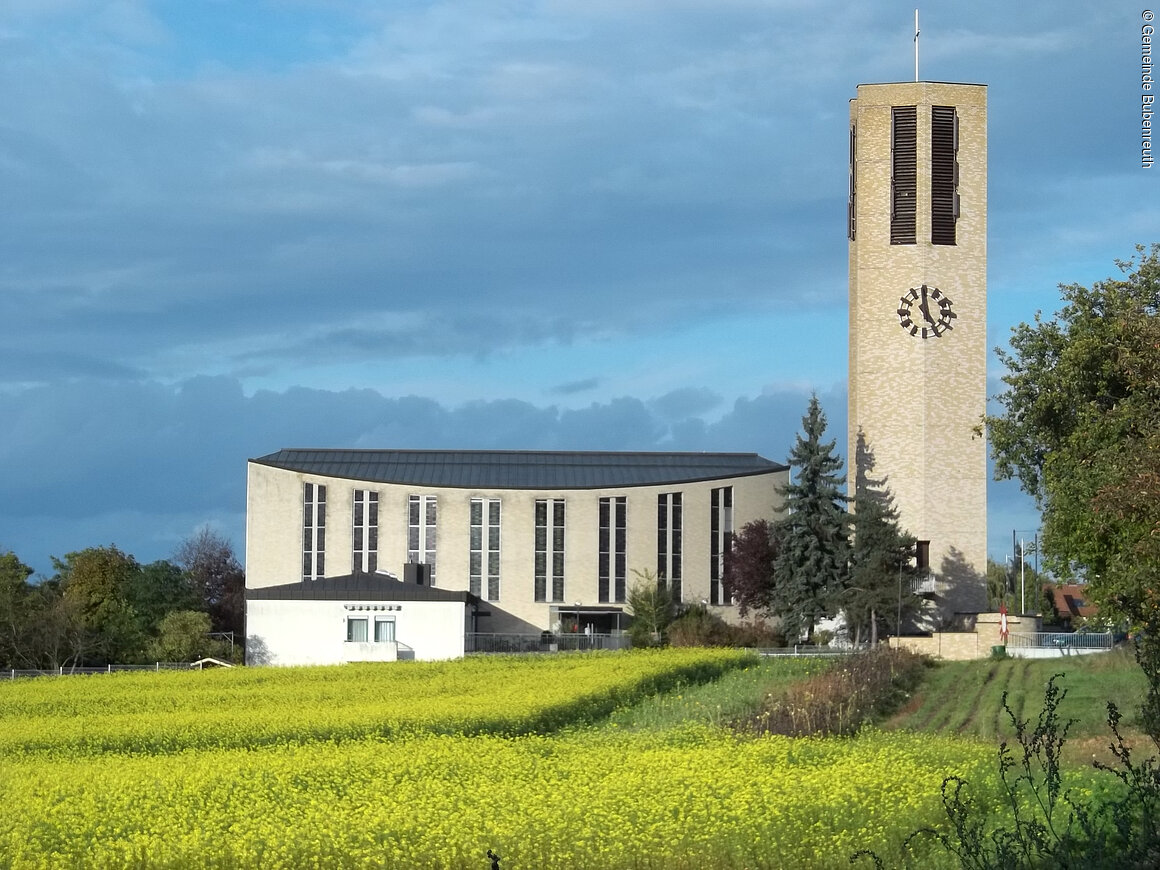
(144, 464)
(126, 461)
(32, 366)
(572, 387)
(685, 402)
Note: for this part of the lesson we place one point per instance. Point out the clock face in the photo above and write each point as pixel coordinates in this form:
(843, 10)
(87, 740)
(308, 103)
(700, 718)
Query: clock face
(925, 312)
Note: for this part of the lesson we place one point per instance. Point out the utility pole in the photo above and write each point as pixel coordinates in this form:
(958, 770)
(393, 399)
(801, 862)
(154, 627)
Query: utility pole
(1022, 579)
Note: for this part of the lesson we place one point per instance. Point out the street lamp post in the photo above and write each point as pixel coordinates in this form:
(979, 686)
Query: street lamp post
(1020, 547)
(898, 618)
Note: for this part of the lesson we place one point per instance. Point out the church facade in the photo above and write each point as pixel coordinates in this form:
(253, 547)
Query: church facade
(528, 541)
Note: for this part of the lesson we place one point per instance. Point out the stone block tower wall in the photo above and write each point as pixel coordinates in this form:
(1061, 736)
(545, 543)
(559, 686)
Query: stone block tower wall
(918, 336)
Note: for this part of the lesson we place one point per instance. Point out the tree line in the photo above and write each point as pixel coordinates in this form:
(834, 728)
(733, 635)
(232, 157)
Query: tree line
(101, 606)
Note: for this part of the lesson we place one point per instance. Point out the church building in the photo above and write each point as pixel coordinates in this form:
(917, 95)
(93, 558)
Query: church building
(346, 545)
(384, 554)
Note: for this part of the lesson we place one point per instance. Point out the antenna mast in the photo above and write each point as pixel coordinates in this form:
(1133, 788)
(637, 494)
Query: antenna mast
(916, 31)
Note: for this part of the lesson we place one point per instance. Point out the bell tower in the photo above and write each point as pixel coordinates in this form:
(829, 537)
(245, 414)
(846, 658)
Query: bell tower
(917, 224)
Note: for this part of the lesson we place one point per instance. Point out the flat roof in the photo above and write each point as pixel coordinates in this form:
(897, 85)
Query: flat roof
(519, 469)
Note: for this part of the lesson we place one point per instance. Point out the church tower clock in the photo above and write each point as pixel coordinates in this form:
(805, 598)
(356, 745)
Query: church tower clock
(917, 221)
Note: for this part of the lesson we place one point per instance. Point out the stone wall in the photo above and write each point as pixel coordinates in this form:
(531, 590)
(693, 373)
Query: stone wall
(966, 645)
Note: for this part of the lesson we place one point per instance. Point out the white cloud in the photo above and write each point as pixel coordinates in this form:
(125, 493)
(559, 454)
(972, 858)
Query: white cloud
(403, 175)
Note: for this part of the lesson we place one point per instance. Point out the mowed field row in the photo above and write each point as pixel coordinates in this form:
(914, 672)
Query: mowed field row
(966, 698)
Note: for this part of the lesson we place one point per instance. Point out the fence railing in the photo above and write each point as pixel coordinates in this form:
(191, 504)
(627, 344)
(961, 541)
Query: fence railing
(546, 642)
(805, 649)
(481, 642)
(13, 673)
(1060, 640)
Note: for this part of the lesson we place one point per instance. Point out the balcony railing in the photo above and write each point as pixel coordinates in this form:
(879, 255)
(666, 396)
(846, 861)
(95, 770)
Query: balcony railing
(923, 584)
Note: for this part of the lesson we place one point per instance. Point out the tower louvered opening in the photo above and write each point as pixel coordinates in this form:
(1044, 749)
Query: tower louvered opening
(852, 203)
(944, 174)
(903, 174)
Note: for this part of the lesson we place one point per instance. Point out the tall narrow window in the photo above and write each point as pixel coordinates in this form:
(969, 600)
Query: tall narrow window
(549, 559)
(365, 536)
(922, 557)
(612, 564)
(720, 540)
(313, 531)
(903, 174)
(944, 174)
(422, 514)
(669, 531)
(852, 202)
(483, 569)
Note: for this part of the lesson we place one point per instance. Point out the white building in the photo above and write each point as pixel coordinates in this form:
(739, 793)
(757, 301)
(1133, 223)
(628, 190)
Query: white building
(486, 541)
(355, 618)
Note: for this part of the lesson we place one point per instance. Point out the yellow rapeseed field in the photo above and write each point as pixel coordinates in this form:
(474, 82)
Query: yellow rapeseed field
(428, 766)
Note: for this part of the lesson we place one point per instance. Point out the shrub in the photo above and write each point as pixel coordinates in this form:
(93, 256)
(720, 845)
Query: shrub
(758, 634)
(652, 607)
(845, 697)
(699, 627)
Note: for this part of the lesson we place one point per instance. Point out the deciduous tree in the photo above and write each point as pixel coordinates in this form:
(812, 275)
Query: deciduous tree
(183, 636)
(158, 589)
(1080, 429)
(748, 574)
(15, 612)
(95, 583)
(217, 576)
(1080, 421)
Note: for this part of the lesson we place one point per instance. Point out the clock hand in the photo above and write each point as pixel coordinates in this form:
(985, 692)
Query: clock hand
(924, 309)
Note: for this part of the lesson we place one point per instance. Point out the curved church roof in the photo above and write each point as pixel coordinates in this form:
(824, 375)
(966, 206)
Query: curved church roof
(519, 469)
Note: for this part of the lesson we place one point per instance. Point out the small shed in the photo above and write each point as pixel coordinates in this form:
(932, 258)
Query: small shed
(356, 617)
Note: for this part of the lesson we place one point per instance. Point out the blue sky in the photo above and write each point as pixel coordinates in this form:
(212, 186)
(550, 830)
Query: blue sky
(229, 227)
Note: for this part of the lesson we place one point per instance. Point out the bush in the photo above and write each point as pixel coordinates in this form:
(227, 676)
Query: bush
(758, 634)
(846, 696)
(697, 626)
(652, 607)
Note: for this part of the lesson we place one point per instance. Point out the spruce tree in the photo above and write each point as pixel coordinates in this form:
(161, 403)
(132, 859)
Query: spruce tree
(881, 565)
(811, 568)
